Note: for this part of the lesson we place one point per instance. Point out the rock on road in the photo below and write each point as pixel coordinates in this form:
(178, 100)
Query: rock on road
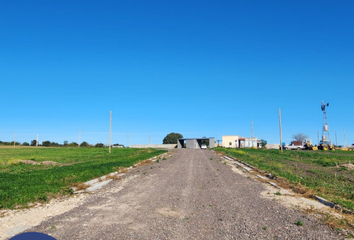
(192, 195)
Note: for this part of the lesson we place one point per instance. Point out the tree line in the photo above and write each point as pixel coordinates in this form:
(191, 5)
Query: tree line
(55, 144)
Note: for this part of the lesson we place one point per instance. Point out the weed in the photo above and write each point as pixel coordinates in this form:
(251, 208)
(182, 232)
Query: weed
(211, 158)
(164, 158)
(220, 219)
(185, 218)
(157, 161)
(277, 193)
(53, 227)
(217, 169)
(264, 228)
(299, 223)
(138, 171)
(151, 168)
(225, 163)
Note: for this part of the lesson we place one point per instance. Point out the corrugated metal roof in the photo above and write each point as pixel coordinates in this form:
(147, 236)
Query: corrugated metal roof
(196, 138)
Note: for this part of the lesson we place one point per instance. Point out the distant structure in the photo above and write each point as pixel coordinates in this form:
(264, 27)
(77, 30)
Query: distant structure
(195, 143)
(235, 141)
(326, 137)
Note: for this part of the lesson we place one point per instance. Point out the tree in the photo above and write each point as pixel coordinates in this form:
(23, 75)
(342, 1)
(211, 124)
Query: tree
(99, 145)
(65, 143)
(72, 144)
(46, 143)
(172, 138)
(84, 144)
(206, 141)
(264, 143)
(34, 142)
(300, 137)
(25, 144)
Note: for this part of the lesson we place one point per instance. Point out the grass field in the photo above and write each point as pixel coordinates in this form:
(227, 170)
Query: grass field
(317, 172)
(22, 183)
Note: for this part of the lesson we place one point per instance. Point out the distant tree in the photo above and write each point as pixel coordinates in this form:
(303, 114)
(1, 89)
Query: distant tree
(84, 144)
(65, 143)
(46, 143)
(25, 144)
(300, 137)
(54, 144)
(99, 145)
(72, 144)
(33, 142)
(205, 141)
(264, 143)
(1, 143)
(172, 138)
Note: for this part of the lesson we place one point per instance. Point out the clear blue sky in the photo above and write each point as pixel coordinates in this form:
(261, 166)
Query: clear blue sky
(200, 68)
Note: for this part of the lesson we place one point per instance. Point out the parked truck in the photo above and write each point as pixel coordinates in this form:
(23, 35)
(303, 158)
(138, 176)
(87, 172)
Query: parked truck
(295, 145)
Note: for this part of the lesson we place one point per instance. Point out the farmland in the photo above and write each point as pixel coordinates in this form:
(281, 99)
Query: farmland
(327, 174)
(22, 183)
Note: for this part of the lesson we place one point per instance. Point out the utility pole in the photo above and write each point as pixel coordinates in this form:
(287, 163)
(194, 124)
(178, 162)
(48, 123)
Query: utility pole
(79, 138)
(37, 141)
(281, 140)
(15, 140)
(318, 138)
(110, 130)
(149, 138)
(252, 132)
(336, 138)
(128, 140)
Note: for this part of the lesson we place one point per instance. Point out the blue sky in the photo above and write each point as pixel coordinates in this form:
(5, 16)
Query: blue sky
(200, 68)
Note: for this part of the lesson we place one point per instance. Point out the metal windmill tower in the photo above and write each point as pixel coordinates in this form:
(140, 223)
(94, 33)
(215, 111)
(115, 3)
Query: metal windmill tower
(326, 137)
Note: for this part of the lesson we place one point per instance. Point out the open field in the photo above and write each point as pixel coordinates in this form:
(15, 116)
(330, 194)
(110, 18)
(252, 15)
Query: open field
(327, 174)
(22, 183)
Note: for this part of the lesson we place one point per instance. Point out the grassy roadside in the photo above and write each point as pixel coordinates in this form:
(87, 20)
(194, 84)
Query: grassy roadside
(21, 184)
(319, 173)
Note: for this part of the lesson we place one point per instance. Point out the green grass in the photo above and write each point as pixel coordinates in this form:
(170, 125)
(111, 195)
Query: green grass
(21, 184)
(315, 170)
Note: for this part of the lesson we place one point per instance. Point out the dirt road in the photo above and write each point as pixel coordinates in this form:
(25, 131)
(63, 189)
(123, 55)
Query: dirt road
(192, 195)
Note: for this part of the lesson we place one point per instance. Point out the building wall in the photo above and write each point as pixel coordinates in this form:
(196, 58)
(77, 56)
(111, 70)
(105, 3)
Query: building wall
(226, 140)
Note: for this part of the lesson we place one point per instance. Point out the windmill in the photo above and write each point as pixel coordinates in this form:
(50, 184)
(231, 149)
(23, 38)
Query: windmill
(325, 143)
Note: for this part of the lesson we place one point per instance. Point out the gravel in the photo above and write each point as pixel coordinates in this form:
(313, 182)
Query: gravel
(192, 195)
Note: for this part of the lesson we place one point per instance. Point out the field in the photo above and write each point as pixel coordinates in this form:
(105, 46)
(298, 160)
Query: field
(23, 182)
(326, 174)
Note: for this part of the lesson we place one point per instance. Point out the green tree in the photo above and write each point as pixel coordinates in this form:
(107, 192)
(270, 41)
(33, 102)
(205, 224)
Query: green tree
(46, 143)
(72, 144)
(264, 143)
(25, 144)
(33, 142)
(99, 145)
(84, 144)
(172, 138)
(65, 143)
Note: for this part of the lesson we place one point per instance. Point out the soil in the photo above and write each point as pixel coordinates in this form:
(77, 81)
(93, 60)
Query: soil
(32, 162)
(192, 195)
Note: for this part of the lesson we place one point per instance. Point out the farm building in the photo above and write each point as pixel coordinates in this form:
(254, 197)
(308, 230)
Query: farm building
(235, 141)
(195, 142)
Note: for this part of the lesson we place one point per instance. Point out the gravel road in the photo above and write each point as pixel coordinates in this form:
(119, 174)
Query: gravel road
(192, 195)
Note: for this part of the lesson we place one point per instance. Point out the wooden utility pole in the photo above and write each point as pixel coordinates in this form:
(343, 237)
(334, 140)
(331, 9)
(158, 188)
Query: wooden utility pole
(128, 140)
(37, 141)
(281, 140)
(110, 130)
(79, 138)
(15, 140)
(336, 138)
(318, 138)
(149, 138)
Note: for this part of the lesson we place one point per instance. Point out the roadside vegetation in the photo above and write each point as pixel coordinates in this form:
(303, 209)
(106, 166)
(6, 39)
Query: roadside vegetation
(326, 174)
(52, 171)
